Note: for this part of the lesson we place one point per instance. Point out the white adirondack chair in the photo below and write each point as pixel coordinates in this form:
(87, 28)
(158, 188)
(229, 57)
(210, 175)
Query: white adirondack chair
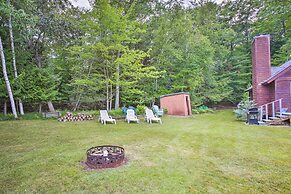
(104, 117)
(150, 117)
(130, 116)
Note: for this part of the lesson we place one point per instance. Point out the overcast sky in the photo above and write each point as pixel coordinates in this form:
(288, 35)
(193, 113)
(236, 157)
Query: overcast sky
(85, 3)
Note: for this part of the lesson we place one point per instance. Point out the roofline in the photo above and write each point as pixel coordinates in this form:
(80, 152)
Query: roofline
(174, 94)
(272, 78)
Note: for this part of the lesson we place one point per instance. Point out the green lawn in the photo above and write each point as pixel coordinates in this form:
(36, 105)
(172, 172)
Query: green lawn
(210, 153)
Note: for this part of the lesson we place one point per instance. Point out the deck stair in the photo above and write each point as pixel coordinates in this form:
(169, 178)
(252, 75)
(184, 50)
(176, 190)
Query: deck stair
(276, 121)
(272, 117)
(267, 120)
(281, 121)
(281, 116)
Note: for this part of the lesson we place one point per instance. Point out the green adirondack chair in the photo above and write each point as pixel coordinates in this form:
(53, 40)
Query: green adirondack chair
(159, 112)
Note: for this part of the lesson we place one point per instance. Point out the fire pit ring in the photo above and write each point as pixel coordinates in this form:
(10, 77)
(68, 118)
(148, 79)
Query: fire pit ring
(105, 156)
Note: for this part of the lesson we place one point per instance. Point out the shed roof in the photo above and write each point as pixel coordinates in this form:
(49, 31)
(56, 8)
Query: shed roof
(174, 94)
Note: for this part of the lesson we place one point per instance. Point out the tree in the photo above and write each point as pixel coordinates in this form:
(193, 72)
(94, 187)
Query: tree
(274, 18)
(106, 56)
(37, 85)
(13, 54)
(7, 80)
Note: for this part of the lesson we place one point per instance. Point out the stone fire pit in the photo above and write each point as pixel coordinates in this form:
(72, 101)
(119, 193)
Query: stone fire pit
(105, 156)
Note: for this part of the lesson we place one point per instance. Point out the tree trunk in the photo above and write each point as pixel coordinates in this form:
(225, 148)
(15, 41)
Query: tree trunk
(117, 92)
(51, 106)
(77, 103)
(17, 108)
(117, 89)
(21, 110)
(111, 97)
(107, 87)
(12, 43)
(39, 108)
(13, 55)
(107, 95)
(7, 80)
(283, 27)
(5, 108)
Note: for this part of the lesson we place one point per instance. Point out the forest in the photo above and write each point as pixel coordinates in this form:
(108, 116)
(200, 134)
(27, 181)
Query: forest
(130, 52)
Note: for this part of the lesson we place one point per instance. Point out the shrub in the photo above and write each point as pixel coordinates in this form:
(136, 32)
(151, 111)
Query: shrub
(165, 111)
(242, 109)
(26, 116)
(202, 109)
(140, 110)
(31, 116)
(6, 117)
(116, 113)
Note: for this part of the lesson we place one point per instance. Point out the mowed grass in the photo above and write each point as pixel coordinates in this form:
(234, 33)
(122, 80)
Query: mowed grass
(210, 153)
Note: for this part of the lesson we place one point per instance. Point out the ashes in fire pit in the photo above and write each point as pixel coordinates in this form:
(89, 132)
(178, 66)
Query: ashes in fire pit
(105, 156)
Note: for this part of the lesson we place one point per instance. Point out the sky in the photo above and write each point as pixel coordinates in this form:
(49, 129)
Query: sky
(85, 3)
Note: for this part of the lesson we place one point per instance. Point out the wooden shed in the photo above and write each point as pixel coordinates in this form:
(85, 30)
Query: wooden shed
(177, 103)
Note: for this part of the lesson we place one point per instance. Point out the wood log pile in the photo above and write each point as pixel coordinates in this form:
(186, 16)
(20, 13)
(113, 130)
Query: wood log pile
(79, 117)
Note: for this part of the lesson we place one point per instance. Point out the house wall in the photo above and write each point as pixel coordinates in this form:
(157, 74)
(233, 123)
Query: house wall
(272, 97)
(176, 104)
(282, 89)
(261, 68)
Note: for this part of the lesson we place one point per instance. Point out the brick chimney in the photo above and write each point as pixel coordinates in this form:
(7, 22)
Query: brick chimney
(261, 65)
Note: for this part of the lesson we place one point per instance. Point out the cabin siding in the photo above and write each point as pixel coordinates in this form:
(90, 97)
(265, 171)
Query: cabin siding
(283, 89)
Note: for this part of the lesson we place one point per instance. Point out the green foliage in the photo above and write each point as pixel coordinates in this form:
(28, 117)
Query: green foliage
(3, 93)
(36, 85)
(140, 109)
(31, 116)
(27, 116)
(7, 117)
(116, 113)
(274, 18)
(118, 62)
(202, 109)
(165, 111)
(242, 109)
(142, 49)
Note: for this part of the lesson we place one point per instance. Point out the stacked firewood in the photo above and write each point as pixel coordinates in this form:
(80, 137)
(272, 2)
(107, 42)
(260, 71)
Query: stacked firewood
(79, 117)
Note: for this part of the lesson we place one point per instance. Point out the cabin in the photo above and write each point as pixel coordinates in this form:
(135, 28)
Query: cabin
(177, 104)
(271, 86)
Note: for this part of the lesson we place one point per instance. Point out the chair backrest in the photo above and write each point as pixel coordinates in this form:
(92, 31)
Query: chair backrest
(156, 108)
(130, 114)
(104, 114)
(157, 111)
(149, 113)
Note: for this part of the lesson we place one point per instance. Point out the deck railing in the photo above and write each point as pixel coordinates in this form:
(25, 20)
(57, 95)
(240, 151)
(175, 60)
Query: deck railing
(266, 107)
